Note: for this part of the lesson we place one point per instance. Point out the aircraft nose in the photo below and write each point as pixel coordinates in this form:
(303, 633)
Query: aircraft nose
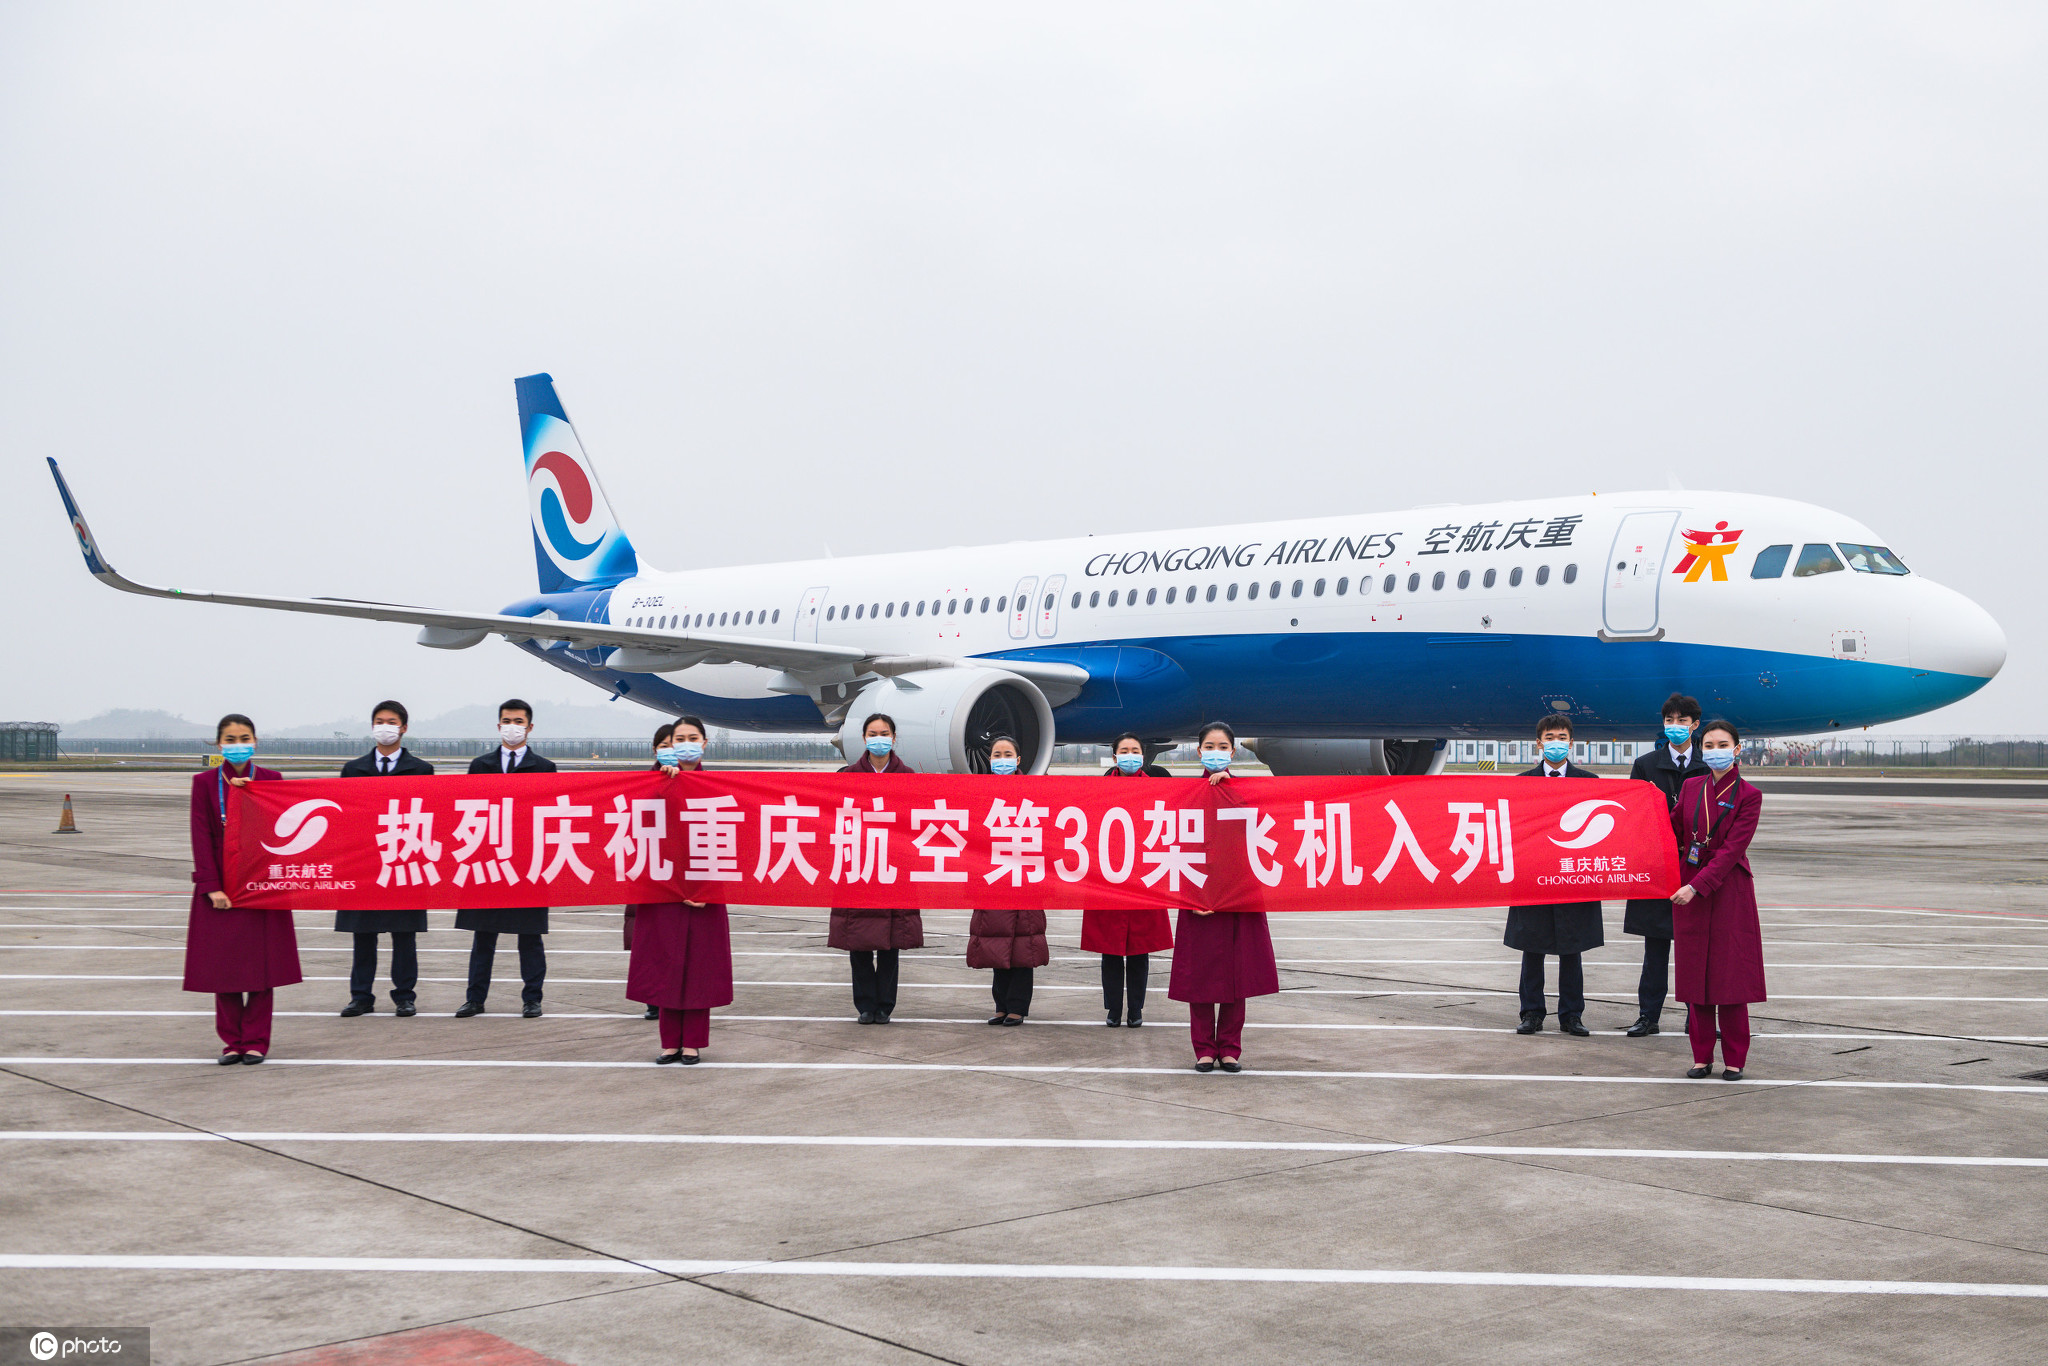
(1953, 635)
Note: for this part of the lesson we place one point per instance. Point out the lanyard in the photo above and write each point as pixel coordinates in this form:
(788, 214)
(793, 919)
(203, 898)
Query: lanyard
(1707, 796)
(220, 782)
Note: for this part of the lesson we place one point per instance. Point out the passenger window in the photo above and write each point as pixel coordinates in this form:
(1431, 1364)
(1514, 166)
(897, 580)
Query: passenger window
(1464, 578)
(1274, 591)
(721, 618)
(1487, 582)
(1095, 598)
(1571, 573)
(1872, 559)
(1542, 574)
(777, 617)
(1388, 586)
(1003, 603)
(1770, 562)
(1344, 586)
(1076, 602)
(1151, 596)
(952, 607)
(1816, 558)
(1320, 584)
(860, 611)
(920, 608)
(1169, 594)
(1210, 596)
(1436, 582)
(1295, 591)
(1515, 577)
(1414, 582)
(1048, 602)
(1252, 592)
(1231, 596)
(1112, 597)
(890, 610)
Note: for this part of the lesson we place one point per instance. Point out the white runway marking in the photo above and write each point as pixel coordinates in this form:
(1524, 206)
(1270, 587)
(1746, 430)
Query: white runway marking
(1705, 1087)
(1204, 1145)
(1016, 1271)
(722, 1014)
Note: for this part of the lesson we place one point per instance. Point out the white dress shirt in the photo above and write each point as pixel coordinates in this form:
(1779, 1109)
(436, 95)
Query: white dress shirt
(510, 758)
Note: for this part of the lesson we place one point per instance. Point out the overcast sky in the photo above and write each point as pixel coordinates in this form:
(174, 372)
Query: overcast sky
(897, 276)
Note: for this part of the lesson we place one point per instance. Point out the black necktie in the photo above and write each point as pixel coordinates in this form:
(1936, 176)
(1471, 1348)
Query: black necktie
(384, 765)
(510, 760)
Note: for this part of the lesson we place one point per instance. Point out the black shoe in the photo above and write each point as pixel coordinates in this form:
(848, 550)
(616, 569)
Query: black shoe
(1136, 1021)
(867, 1017)
(1532, 1022)
(1731, 1074)
(355, 1008)
(252, 1058)
(531, 1010)
(653, 1013)
(1230, 1065)
(996, 1020)
(1205, 1064)
(1695, 1073)
(1112, 1021)
(664, 1059)
(407, 1009)
(1645, 1024)
(690, 1059)
(1572, 1025)
(229, 1059)
(882, 1016)
(469, 1008)
(1013, 1019)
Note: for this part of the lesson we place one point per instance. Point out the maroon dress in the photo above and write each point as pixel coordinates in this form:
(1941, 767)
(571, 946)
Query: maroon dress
(865, 929)
(682, 957)
(238, 949)
(1123, 932)
(1717, 943)
(1220, 957)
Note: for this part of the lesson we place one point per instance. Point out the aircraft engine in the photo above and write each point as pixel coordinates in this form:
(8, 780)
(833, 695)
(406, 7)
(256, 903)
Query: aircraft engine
(945, 718)
(1363, 758)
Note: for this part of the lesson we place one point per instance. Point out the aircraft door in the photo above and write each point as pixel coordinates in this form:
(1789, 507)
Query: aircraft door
(1635, 572)
(809, 614)
(1049, 605)
(1021, 607)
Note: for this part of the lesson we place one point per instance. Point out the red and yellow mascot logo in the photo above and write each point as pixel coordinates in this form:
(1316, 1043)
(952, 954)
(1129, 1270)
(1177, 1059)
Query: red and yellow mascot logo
(1708, 551)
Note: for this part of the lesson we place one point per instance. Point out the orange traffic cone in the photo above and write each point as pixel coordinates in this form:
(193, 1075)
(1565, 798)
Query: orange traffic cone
(67, 824)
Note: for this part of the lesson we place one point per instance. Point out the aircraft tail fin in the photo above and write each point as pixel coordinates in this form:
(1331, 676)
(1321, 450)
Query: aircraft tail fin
(577, 539)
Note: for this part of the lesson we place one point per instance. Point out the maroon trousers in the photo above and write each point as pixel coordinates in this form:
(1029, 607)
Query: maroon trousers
(1734, 1029)
(242, 1019)
(1218, 1028)
(685, 1029)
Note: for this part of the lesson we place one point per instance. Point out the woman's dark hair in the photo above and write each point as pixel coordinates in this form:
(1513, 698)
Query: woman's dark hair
(233, 718)
(661, 733)
(881, 716)
(397, 709)
(1223, 726)
(999, 737)
(1127, 735)
(687, 720)
(1728, 726)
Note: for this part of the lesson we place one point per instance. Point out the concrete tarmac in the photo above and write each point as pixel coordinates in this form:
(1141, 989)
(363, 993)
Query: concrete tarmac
(1396, 1176)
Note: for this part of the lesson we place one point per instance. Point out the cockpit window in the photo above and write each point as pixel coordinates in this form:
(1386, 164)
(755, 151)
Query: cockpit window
(1770, 562)
(1872, 559)
(1816, 558)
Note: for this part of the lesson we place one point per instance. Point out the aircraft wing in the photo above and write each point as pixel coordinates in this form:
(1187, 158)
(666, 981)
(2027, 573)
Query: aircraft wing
(643, 649)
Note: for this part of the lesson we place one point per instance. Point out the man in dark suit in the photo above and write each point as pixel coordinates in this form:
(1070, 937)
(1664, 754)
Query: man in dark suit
(388, 722)
(1566, 930)
(514, 754)
(1668, 766)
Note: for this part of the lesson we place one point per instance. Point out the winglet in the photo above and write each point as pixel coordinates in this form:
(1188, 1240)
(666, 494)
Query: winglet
(94, 561)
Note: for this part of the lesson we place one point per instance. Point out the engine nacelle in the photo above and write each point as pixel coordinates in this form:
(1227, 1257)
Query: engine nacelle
(945, 718)
(1359, 758)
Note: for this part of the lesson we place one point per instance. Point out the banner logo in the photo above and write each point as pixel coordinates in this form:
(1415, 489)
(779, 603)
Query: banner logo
(1708, 552)
(299, 828)
(1597, 824)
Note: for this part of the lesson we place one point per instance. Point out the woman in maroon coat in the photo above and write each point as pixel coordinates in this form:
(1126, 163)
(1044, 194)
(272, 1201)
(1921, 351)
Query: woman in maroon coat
(873, 938)
(681, 963)
(1009, 942)
(664, 758)
(1125, 937)
(1718, 943)
(1220, 958)
(239, 955)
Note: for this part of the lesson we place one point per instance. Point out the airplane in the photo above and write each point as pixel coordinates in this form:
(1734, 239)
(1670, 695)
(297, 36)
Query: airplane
(1355, 643)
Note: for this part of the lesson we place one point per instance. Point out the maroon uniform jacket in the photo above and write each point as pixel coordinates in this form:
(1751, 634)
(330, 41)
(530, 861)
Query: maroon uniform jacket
(237, 949)
(858, 928)
(1125, 932)
(1717, 944)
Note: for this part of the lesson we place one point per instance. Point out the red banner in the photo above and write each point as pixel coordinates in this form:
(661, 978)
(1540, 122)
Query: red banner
(811, 839)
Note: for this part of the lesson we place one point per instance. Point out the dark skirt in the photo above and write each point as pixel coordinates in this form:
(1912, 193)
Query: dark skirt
(858, 929)
(505, 920)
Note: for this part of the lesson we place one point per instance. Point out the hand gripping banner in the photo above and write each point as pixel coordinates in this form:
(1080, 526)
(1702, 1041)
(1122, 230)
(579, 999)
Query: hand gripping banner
(819, 839)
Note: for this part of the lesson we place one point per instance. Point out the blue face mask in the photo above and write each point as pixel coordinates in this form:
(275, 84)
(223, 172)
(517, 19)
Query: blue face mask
(1130, 763)
(1677, 735)
(1215, 760)
(238, 754)
(880, 745)
(1002, 766)
(665, 756)
(689, 752)
(1719, 760)
(1557, 752)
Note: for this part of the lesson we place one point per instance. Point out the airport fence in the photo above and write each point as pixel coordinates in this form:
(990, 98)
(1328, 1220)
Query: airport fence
(28, 741)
